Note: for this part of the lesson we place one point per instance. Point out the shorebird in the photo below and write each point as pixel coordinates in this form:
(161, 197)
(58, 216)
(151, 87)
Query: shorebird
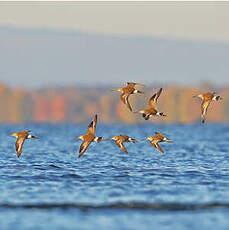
(159, 137)
(152, 107)
(89, 137)
(119, 140)
(127, 91)
(21, 136)
(207, 98)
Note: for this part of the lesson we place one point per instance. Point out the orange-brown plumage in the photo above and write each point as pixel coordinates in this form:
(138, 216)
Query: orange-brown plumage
(207, 98)
(119, 140)
(127, 91)
(159, 137)
(152, 107)
(89, 137)
(21, 136)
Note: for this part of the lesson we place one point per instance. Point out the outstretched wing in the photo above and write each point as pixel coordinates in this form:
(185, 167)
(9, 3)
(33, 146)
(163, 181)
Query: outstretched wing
(132, 84)
(157, 146)
(19, 145)
(159, 135)
(92, 125)
(83, 148)
(200, 96)
(125, 99)
(121, 146)
(204, 108)
(153, 99)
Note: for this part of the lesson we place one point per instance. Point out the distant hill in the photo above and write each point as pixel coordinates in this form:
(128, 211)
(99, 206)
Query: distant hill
(47, 57)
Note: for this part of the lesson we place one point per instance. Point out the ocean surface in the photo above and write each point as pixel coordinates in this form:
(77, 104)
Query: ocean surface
(48, 187)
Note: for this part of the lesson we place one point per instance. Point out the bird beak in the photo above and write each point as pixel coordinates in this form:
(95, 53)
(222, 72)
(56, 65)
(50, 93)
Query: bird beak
(145, 139)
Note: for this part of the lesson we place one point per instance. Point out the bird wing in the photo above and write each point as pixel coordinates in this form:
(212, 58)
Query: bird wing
(132, 84)
(204, 107)
(153, 99)
(83, 148)
(125, 99)
(157, 146)
(92, 125)
(159, 135)
(121, 146)
(19, 145)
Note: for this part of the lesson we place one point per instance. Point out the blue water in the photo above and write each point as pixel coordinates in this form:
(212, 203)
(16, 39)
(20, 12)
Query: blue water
(50, 188)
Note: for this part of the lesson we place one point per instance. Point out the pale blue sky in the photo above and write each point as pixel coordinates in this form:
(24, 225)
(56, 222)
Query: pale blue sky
(110, 42)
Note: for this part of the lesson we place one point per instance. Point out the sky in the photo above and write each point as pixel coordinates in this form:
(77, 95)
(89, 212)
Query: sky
(192, 20)
(201, 22)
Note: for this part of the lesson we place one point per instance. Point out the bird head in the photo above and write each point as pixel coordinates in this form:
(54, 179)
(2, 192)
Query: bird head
(119, 90)
(115, 138)
(79, 137)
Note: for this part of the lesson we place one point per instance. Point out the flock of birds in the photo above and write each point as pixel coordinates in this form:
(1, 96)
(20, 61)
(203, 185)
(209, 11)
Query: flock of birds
(152, 110)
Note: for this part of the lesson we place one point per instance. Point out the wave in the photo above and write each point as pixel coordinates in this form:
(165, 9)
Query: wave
(120, 206)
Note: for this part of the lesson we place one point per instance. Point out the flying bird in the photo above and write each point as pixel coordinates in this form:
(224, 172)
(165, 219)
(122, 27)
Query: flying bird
(207, 98)
(21, 136)
(159, 137)
(119, 140)
(89, 137)
(152, 107)
(127, 91)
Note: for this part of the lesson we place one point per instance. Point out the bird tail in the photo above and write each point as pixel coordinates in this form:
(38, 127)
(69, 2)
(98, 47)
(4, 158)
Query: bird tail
(98, 139)
(146, 116)
(34, 137)
(132, 140)
(139, 91)
(203, 118)
(168, 140)
(162, 114)
(218, 98)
